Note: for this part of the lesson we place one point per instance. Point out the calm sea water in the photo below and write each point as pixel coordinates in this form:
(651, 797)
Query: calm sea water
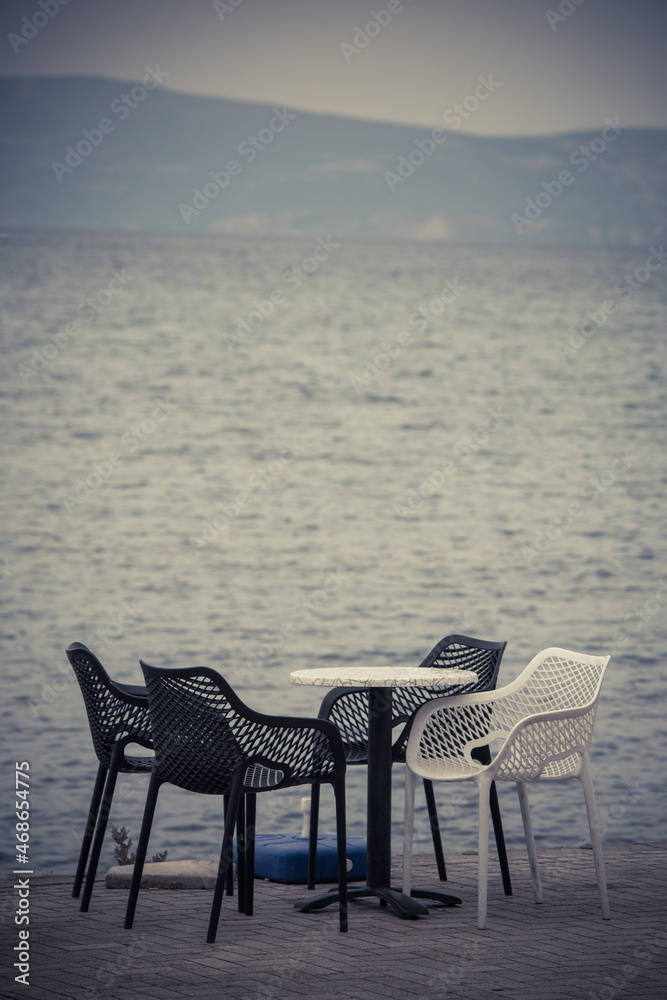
(262, 455)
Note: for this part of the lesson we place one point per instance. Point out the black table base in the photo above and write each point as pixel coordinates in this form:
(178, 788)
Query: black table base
(378, 827)
(407, 907)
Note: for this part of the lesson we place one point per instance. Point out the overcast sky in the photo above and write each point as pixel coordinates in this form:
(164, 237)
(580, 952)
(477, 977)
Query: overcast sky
(571, 69)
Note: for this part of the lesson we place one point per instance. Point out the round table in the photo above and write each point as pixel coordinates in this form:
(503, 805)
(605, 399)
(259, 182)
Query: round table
(380, 680)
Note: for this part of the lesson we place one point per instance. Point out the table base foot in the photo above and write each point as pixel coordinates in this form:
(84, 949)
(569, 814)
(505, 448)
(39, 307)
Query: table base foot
(444, 898)
(406, 907)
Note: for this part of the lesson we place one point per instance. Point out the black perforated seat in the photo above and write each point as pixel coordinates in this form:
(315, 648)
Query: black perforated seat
(347, 708)
(117, 716)
(207, 740)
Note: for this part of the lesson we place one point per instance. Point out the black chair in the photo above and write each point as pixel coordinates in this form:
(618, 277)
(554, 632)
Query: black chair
(117, 716)
(206, 740)
(347, 708)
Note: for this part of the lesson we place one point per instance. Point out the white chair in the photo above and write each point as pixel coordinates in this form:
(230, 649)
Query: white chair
(538, 728)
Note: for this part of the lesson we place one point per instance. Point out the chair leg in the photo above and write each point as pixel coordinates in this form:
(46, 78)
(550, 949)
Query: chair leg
(226, 855)
(483, 755)
(408, 829)
(240, 852)
(530, 840)
(435, 829)
(90, 829)
(142, 847)
(341, 843)
(587, 782)
(483, 853)
(312, 842)
(101, 829)
(250, 828)
(229, 889)
(500, 839)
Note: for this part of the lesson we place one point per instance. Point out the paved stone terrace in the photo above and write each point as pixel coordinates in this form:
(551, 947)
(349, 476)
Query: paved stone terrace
(561, 949)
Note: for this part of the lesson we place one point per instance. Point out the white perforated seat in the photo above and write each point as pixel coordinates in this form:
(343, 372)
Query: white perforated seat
(538, 728)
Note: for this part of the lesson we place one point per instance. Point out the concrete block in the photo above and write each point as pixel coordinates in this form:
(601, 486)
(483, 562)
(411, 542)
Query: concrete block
(166, 875)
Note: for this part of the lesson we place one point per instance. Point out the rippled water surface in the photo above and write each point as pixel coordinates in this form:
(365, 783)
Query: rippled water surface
(263, 455)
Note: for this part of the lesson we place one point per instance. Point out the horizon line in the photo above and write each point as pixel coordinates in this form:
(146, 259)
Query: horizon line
(324, 114)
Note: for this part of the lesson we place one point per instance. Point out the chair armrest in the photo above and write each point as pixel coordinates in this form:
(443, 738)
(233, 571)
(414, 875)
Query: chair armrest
(452, 732)
(451, 728)
(134, 691)
(142, 741)
(566, 733)
(285, 740)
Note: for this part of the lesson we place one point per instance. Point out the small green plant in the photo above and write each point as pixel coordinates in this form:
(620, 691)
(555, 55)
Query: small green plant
(121, 851)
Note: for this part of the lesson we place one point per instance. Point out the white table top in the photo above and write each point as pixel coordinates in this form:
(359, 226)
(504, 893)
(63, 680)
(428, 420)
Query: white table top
(353, 675)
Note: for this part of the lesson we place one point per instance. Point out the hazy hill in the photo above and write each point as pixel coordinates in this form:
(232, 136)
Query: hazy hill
(93, 153)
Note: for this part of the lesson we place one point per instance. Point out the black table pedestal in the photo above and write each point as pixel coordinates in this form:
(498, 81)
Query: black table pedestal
(378, 826)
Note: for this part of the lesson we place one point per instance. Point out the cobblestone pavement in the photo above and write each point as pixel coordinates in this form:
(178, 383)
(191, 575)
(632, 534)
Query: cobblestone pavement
(561, 949)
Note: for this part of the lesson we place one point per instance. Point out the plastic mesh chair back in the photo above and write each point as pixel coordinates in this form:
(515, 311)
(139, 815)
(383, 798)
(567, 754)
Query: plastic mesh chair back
(455, 652)
(556, 681)
(349, 713)
(112, 714)
(203, 733)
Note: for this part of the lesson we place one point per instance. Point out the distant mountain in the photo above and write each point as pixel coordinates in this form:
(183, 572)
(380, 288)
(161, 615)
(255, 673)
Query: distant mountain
(93, 153)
